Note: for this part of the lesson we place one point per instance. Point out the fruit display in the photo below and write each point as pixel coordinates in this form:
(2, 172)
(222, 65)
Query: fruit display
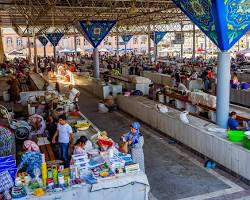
(81, 126)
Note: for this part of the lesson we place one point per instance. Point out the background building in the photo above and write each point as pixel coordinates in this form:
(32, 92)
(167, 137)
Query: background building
(138, 43)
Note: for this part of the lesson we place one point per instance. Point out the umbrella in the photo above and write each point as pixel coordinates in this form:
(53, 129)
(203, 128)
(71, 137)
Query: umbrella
(79, 49)
(15, 52)
(66, 51)
(103, 50)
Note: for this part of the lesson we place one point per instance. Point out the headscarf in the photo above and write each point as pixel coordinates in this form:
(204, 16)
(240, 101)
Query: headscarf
(31, 146)
(135, 138)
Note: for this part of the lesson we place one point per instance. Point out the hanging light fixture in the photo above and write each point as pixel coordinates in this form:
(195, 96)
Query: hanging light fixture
(133, 8)
(88, 21)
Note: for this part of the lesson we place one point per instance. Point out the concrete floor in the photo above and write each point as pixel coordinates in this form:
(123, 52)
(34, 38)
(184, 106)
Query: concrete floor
(173, 171)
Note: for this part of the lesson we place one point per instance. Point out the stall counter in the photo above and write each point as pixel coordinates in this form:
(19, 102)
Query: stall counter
(127, 187)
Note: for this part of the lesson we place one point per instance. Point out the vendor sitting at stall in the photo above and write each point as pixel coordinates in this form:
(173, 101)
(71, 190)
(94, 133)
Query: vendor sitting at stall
(74, 95)
(233, 124)
(38, 124)
(181, 87)
(65, 137)
(82, 146)
(109, 102)
(135, 141)
(235, 82)
(31, 159)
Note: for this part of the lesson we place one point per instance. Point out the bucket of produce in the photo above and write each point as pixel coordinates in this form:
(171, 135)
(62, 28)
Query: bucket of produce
(235, 135)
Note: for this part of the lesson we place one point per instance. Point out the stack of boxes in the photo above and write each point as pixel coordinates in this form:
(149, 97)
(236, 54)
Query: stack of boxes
(80, 166)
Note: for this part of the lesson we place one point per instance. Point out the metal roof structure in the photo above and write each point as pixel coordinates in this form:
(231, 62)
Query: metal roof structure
(132, 16)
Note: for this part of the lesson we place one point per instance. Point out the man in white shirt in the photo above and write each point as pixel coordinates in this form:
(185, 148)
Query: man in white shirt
(65, 137)
(73, 96)
(181, 87)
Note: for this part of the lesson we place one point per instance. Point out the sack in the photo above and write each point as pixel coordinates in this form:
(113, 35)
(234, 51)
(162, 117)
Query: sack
(123, 147)
(183, 117)
(162, 108)
(137, 93)
(102, 108)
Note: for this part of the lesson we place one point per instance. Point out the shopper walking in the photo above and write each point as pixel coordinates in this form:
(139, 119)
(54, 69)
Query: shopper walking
(65, 137)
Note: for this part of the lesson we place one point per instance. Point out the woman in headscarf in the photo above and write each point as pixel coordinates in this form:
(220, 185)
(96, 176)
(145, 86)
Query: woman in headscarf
(82, 146)
(38, 124)
(135, 142)
(29, 145)
(31, 159)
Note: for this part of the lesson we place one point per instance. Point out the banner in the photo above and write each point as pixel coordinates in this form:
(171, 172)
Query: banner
(126, 38)
(95, 31)
(223, 21)
(43, 40)
(157, 36)
(54, 38)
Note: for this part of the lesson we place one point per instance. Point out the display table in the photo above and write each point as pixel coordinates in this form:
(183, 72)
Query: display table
(126, 83)
(241, 97)
(166, 80)
(134, 186)
(38, 80)
(97, 87)
(195, 135)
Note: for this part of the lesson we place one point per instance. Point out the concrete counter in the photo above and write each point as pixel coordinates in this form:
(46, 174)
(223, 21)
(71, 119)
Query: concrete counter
(241, 97)
(165, 79)
(195, 135)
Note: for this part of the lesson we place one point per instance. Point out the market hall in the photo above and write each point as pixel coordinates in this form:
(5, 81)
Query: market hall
(102, 121)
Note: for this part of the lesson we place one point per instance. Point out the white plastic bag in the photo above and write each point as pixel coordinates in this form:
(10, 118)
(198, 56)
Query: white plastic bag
(162, 108)
(102, 108)
(184, 118)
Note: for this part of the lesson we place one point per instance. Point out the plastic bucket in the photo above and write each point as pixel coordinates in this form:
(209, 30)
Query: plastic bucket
(236, 136)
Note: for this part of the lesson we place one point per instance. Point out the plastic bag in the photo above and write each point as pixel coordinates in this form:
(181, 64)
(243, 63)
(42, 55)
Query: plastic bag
(162, 108)
(102, 108)
(184, 118)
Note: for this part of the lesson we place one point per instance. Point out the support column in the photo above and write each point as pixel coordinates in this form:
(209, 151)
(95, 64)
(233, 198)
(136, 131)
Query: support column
(156, 48)
(247, 42)
(29, 49)
(239, 45)
(181, 43)
(125, 49)
(193, 56)
(96, 63)
(75, 48)
(44, 51)
(205, 41)
(117, 43)
(35, 52)
(54, 50)
(149, 43)
(1, 47)
(223, 89)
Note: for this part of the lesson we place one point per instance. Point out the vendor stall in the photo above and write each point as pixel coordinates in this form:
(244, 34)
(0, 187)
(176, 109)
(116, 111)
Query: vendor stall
(100, 171)
(198, 134)
(240, 97)
(62, 74)
(166, 80)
